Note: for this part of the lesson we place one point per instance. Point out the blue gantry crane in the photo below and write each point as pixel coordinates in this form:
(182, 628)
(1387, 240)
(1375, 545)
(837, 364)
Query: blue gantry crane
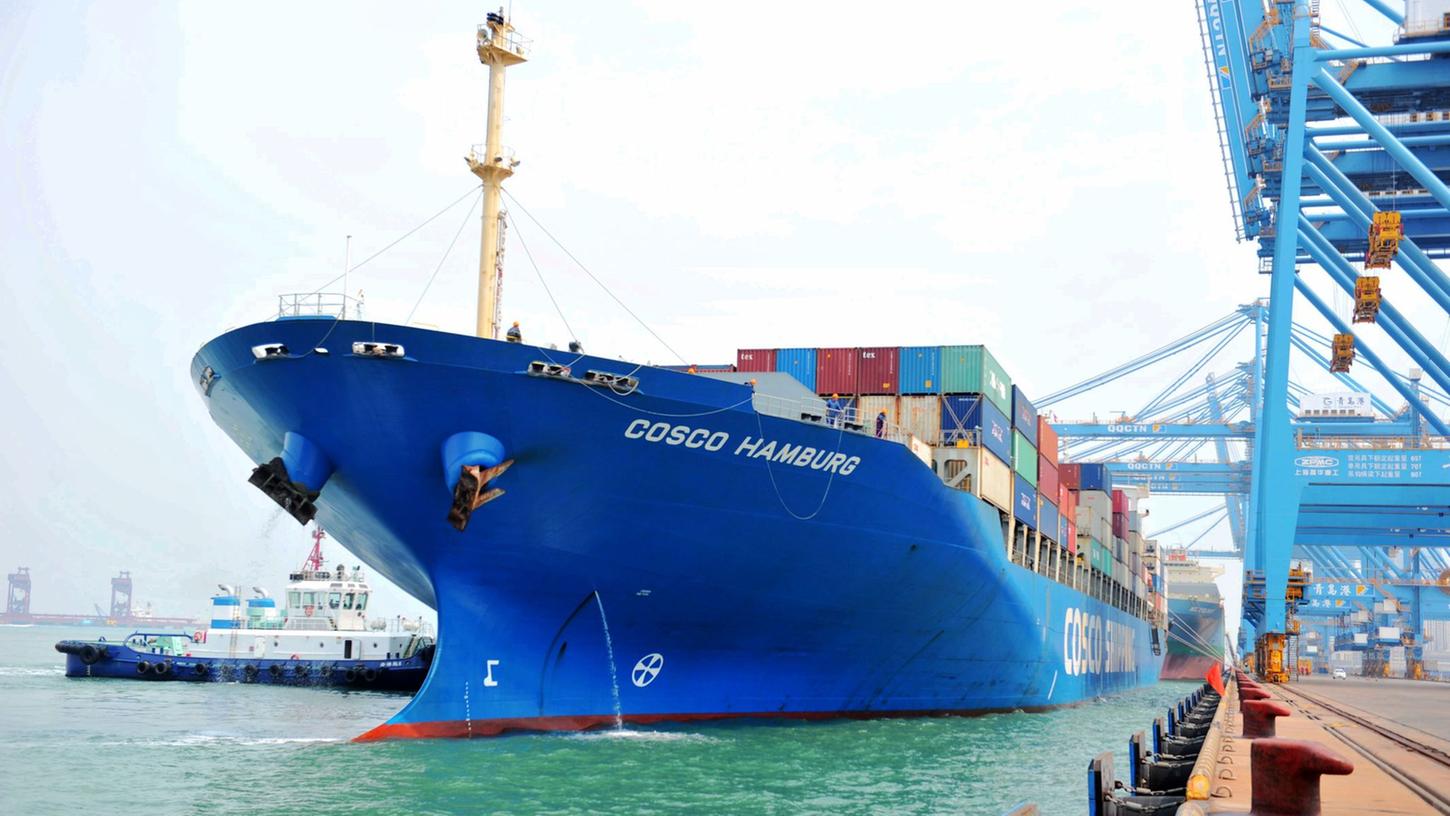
(1200, 439)
(1336, 151)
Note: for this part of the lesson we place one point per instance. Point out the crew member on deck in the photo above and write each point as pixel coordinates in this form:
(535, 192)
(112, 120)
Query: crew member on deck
(833, 410)
(514, 334)
(881, 425)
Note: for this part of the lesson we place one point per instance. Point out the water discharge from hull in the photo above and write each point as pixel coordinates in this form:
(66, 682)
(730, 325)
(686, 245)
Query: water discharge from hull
(613, 670)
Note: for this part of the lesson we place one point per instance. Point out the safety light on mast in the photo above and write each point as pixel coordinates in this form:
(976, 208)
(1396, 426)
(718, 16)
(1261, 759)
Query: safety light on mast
(499, 47)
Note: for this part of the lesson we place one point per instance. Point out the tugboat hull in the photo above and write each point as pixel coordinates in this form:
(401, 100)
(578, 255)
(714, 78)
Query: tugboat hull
(117, 660)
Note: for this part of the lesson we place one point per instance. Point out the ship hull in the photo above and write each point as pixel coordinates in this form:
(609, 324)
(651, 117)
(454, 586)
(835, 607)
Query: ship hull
(119, 661)
(662, 555)
(1195, 638)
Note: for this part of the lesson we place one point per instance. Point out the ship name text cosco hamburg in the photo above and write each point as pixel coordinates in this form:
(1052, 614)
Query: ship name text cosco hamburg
(802, 456)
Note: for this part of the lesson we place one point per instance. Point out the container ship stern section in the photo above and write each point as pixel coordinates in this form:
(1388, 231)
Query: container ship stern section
(651, 547)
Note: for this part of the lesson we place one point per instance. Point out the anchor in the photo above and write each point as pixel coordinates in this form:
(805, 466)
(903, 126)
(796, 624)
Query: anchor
(473, 491)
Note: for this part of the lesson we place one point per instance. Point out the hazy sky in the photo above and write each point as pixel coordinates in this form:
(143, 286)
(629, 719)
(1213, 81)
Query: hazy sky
(824, 174)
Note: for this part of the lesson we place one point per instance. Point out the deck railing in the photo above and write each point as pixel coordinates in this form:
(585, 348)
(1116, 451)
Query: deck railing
(324, 304)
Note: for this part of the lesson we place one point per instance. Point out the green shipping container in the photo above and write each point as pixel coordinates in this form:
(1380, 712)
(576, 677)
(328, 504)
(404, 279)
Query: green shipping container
(973, 370)
(1024, 457)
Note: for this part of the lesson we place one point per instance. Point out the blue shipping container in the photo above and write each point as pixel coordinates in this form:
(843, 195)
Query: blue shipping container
(920, 368)
(1024, 501)
(1049, 521)
(1095, 476)
(1024, 416)
(799, 363)
(974, 413)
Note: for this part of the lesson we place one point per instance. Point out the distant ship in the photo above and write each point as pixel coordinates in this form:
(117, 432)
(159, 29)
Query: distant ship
(1195, 617)
(607, 542)
(321, 636)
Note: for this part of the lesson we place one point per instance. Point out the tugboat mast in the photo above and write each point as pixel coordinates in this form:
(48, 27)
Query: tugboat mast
(498, 47)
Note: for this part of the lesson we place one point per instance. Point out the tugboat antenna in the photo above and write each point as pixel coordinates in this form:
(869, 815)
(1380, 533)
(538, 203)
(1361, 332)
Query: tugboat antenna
(499, 47)
(314, 558)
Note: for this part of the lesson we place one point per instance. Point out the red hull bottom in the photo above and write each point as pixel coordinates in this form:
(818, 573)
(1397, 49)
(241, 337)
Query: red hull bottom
(496, 727)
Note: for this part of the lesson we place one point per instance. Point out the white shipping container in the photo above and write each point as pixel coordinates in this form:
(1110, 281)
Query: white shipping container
(1359, 617)
(1096, 502)
(1388, 606)
(1389, 634)
(921, 417)
(1437, 635)
(1311, 649)
(1361, 638)
(868, 407)
(979, 472)
(1425, 16)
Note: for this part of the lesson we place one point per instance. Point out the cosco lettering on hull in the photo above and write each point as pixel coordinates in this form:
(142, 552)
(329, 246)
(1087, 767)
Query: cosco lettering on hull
(802, 456)
(1092, 645)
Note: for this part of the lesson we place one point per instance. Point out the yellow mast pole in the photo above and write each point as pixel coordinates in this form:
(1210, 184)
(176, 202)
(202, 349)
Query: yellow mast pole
(498, 48)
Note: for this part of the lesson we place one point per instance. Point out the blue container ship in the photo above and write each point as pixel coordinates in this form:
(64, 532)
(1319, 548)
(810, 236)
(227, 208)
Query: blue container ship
(610, 543)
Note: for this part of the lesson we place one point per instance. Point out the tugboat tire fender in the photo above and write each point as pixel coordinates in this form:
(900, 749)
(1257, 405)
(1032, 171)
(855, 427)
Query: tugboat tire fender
(162, 669)
(90, 654)
(250, 671)
(351, 674)
(275, 670)
(369, 674)
(143, 666)
(199, 669)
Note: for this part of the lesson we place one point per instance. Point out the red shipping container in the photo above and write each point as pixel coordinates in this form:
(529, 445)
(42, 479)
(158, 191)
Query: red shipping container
(1071, 537)
(877, 369)
(1047, 478)
(835, 371)
(1120, 525)
(755, 360)
(1120, 502)
(1070, 475)
(1046, 439)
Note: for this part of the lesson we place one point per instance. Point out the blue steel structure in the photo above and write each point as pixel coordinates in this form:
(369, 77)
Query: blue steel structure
(1317, 141)
(1366, 482)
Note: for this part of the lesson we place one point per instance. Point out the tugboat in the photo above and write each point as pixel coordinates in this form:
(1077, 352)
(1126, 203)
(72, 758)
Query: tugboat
(321, 637)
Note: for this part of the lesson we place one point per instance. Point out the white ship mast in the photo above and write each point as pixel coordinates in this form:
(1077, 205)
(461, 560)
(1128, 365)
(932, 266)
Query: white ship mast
(498, 47)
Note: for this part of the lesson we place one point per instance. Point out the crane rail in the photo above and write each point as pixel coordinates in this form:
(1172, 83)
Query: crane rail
(1435, 796)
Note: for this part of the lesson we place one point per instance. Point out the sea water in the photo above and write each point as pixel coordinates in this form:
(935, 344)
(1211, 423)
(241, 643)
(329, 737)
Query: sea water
(121, 747)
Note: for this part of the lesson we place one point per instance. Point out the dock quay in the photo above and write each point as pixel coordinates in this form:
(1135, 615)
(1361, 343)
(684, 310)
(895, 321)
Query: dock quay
(1316, 746)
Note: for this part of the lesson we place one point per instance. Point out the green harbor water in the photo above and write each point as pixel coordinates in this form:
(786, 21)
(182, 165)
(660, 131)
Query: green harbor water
(120, 747)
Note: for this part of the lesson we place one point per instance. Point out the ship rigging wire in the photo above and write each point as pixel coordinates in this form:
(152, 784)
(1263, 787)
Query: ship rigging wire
(540, 275)
(592, 276)
(441, 261)
(430, 219)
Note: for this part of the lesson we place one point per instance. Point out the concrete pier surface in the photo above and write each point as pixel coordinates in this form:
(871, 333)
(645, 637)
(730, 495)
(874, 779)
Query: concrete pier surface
(1421, 706)
(1393, 731)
